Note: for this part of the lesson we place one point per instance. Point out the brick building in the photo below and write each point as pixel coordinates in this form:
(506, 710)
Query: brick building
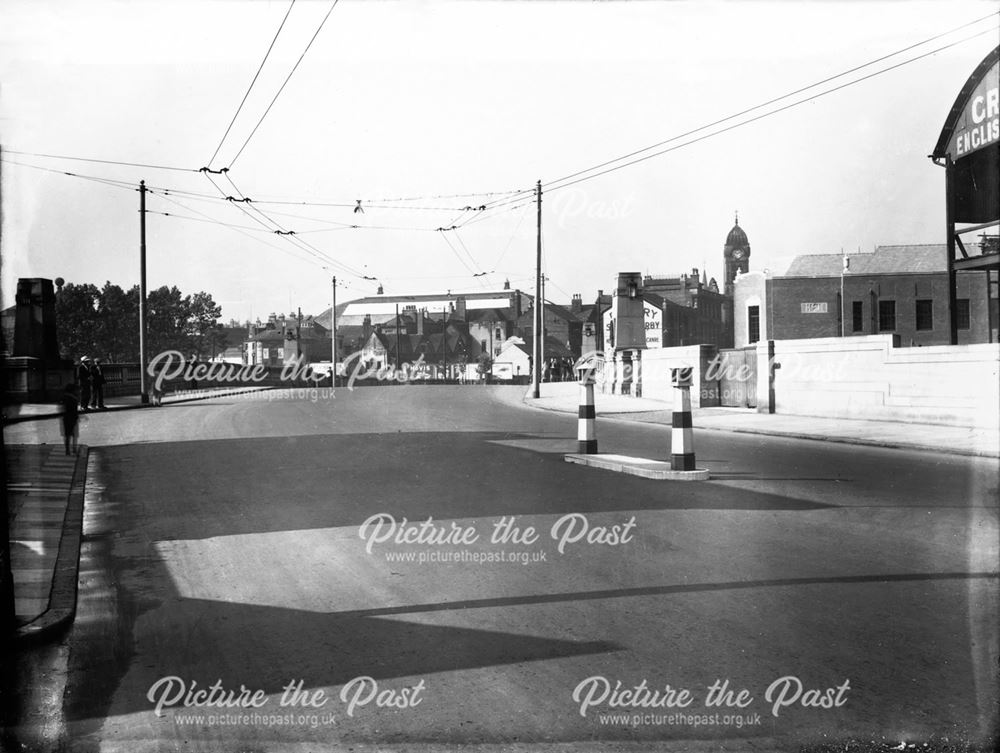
(902, 290)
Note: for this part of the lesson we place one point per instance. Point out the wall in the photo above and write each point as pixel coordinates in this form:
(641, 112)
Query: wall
(867, 378)
(750, 290)
(654, 370)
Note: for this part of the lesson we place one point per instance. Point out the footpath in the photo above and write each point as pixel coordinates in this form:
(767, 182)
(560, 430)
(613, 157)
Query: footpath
(45, 495)
(17, 413)
(564, 397)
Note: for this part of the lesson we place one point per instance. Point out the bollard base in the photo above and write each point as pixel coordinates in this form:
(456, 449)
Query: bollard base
(657, 470)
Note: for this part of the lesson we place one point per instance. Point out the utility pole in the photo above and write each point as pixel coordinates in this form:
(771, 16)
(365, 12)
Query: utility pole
(444, 343)
(397, 337)
(537, 328)
(333, 336)
(298, 337)
(144, 392)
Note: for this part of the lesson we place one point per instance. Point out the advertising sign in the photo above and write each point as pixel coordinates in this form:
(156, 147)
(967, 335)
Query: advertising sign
(652, 323)
(978, 124)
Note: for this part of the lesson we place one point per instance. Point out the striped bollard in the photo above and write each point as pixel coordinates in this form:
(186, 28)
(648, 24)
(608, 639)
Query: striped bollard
(681, 435)
(586, 438)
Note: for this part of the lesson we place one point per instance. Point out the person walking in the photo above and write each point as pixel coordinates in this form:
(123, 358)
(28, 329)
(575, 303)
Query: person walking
(97, 385)
(70, 418)
(83, 378)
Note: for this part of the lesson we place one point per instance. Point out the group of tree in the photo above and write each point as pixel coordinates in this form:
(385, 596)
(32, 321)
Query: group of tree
(104, 322)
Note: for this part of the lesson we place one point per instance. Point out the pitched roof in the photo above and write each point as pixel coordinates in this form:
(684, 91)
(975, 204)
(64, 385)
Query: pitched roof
(885, 260)
(554, 347)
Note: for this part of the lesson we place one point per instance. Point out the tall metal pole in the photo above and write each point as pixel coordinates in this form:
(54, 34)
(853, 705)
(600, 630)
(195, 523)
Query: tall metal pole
(143, 389)
(536, 372)
(397, 337)
(952, 277)
(333, 336)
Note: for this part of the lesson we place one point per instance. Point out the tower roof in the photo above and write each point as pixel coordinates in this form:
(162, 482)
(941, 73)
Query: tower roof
(736, 236)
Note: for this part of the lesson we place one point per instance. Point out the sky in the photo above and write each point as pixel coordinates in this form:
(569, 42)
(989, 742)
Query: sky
(420, 109)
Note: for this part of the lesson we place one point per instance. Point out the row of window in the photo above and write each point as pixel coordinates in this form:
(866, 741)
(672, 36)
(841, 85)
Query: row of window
(886, 316)
(924, 315)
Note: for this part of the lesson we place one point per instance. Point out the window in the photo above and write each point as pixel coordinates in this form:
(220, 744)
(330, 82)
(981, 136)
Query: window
(925, 314)
(962, 315)
(753, 323)
(886, 316)
(857, 316)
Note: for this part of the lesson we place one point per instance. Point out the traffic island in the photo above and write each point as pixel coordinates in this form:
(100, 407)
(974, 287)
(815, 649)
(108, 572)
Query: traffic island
(658, 470)
(680, 467)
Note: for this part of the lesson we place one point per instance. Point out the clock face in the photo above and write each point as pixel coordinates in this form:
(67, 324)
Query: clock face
(738, 254)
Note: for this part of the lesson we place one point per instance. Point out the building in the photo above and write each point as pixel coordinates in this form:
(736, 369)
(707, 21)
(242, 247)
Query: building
(513, 363)
(695, 311)
(902, 290)
(284, 338)
(478, 323)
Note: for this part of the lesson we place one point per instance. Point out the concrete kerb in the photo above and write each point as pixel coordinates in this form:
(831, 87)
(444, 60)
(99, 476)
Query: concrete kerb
(863, 441)
(629, 417)
(62, 597)
(139, 406)
(657, 470)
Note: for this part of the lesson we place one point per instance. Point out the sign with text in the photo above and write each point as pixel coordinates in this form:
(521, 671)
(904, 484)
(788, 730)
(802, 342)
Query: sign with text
(814, 308)
(978, 125)
(652, 323)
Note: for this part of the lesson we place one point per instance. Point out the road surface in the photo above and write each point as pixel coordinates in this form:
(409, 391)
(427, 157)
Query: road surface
(256, 549)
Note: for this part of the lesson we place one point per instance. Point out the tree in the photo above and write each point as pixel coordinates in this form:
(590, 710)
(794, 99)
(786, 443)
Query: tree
(104, 323)
(118, 323)
(203, 323)
(485, 365)
(167, 321)
(77, 320)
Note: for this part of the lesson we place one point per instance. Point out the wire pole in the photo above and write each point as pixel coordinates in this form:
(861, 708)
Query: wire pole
(333, 336)
(143, 387)
(537, 329)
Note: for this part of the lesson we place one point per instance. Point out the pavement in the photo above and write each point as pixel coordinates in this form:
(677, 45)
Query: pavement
(564, 397)
(45, 494)
(46, 487)
(16, 413)
(45, 508)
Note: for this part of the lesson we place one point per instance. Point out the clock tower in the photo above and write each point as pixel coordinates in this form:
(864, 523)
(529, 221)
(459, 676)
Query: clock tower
(736, 255)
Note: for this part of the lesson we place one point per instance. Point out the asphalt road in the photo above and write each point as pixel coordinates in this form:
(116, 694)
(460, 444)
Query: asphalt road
(222, 546)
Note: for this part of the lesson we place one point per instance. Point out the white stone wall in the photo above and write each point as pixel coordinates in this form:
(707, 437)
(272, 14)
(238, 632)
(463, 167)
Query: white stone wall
(866, 378)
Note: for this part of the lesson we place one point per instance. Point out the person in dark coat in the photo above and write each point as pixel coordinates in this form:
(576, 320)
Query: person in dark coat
(83, 377)
(97, 385)
(70, 418)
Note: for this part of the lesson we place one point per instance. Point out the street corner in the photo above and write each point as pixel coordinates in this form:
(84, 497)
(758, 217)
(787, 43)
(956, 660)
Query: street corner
(47, 532)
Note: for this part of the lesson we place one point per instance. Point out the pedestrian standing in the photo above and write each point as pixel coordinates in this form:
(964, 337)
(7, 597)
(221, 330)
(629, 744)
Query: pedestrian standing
(83, 378)
(70, 418)
(97, 385)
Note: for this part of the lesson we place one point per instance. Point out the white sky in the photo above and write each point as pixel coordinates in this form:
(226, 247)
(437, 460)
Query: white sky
(436, 98)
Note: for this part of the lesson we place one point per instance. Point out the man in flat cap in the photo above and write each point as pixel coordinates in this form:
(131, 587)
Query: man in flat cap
(84, 378)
